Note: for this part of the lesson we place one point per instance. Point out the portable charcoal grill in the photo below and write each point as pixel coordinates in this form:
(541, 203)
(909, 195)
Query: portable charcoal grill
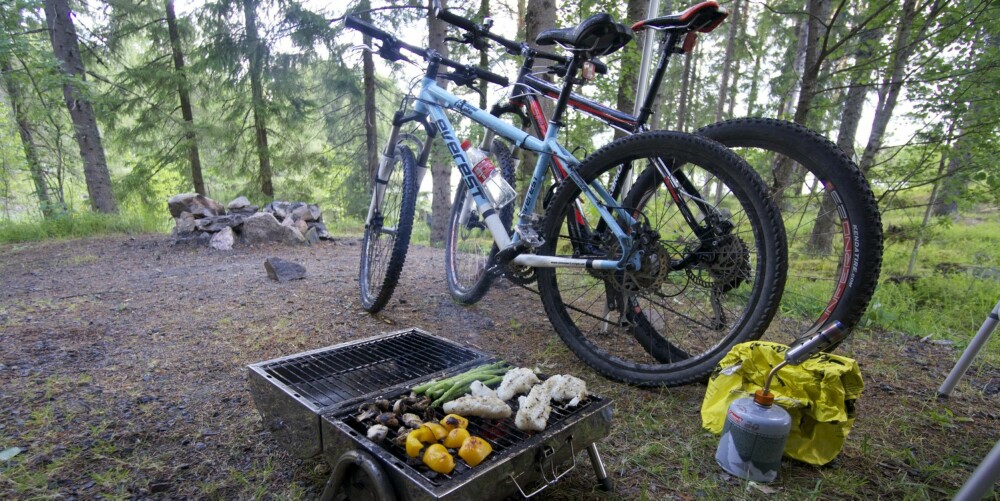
(309, 401)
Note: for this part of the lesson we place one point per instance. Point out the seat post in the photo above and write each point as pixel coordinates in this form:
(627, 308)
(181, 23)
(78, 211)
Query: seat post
(571, 69)
(669, 47)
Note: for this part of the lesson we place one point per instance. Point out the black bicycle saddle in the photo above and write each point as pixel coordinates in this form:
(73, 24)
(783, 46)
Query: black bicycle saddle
(598, 35)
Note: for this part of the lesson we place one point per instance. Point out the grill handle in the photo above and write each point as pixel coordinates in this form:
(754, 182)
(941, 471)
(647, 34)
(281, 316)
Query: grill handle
(548, 453)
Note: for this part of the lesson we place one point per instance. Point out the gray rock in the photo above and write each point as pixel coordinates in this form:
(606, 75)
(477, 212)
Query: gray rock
(263, 227)
(198, 205)
(238, 203)
(283, 271)
(217, 223)
(245, 211)
(298, 224)
(321, 231)
(307, 212)
(279, 209)
(312, 236)
(196, 239)
(184, 224)
(223, 240)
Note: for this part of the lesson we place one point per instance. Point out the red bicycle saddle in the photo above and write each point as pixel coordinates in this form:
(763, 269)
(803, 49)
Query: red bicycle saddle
(703, 17)
(598, 35)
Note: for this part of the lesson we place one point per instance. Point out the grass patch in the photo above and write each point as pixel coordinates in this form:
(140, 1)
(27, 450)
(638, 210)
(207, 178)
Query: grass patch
(78, 225)
(953, 285)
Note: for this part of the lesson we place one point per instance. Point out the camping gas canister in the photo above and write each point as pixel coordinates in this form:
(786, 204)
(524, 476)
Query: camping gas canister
(753, 438)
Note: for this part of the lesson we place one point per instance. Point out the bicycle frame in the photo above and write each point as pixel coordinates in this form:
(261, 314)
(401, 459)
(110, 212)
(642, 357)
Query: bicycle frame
(432, 102)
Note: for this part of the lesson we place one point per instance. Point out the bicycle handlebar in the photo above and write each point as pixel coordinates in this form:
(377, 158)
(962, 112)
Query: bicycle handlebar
(391, 45)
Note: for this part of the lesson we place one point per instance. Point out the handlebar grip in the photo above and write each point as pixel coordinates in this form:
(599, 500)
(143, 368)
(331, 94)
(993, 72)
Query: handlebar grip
(357, 24)
(455, 20)
(492, 77)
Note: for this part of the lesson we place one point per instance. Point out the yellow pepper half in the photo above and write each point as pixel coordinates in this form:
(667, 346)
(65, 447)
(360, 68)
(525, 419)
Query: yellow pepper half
(437, 431)
(438, 459)
(474, 450)
(414, 443)
(452, 421)
(456, 438)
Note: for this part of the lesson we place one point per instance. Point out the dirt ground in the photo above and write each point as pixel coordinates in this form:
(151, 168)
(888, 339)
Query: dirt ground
(123, 376)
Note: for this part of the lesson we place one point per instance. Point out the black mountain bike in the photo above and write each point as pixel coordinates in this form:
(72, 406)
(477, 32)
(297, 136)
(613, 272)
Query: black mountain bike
(830, 215)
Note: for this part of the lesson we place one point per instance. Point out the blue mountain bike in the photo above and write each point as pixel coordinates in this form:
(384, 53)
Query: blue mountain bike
(606, 276)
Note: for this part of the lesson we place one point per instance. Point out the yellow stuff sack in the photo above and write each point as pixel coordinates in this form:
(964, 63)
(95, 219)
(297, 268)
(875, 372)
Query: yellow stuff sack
(819, 394)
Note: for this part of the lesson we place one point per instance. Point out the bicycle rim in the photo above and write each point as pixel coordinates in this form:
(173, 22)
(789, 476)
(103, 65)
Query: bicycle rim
(695, 296)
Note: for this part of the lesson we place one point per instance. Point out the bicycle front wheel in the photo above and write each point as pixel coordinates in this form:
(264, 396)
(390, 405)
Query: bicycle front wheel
(469, 248)
(830, 216)
(711, 257)
(387, 233)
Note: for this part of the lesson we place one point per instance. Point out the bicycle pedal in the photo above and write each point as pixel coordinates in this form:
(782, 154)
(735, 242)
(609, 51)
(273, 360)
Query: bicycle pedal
(529, 234)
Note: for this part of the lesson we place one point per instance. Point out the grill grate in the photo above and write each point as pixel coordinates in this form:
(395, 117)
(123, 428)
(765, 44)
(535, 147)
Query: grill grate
(331, 376)
(502, 435)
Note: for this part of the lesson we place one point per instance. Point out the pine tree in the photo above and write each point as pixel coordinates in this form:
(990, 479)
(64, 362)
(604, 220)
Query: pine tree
(88, 137)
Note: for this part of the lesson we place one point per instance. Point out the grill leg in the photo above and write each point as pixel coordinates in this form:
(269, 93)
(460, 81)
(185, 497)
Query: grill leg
(602, 475)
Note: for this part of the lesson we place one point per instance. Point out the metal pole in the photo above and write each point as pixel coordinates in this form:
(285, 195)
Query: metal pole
(647, 57)
(640, 87)
(982, 479)
(970, 353)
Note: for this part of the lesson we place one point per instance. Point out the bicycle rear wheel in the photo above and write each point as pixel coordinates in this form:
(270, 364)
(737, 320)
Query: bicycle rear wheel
(387, 234)
(711, 254)
(830, 216)
(469, 248)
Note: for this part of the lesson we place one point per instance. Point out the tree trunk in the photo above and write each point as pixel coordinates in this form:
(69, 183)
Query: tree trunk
(727, 61)
(255, 54)
(539, 15)
(88, 137)
(13, 90)
(892, 85)
(955, 181)
(631, 58)
(682, 101)
(821, 238)
(754, 84)
(951, 186)
(185, 97)
(371, 110)
(809, 55)
(734, 92)
(484, 57)
(521, 13)
(931, 203)
(440, 160)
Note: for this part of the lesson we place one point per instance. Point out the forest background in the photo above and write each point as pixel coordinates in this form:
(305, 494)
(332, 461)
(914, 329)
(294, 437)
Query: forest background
(108, 108)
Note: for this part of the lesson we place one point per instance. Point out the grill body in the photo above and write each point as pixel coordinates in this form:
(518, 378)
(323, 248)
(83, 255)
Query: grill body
(308, 401)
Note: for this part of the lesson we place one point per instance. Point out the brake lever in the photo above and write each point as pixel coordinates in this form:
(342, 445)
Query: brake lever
(361, 48)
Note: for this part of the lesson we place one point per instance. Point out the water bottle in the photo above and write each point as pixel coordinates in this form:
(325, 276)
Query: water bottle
(498, 190)
(753, 438)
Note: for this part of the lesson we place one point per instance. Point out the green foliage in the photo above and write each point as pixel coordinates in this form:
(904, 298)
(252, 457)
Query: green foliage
(78, 225)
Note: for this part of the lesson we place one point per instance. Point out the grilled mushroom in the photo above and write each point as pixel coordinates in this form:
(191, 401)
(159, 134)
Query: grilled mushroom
(383, 405)
(411, 420)
(388, 419)
(377, 433)
(367, 411)
(420, 404)
(401, 406)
